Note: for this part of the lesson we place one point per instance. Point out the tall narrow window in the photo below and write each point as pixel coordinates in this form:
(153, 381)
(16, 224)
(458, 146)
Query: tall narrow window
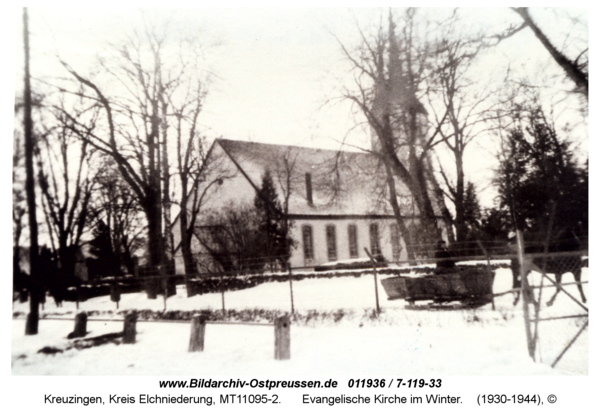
(309, 195)
(331, 243)
(353, 240)
(307, 242)
(374, 238)
(395, 239)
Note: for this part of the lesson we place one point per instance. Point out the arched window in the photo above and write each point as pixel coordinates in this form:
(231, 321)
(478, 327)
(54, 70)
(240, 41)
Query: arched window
(331, 242)
(307, 242)
(353, 240)
(374, 238)
(395, 239)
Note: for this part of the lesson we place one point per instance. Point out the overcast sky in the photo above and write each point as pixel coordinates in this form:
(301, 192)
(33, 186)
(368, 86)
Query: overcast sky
(277, 70)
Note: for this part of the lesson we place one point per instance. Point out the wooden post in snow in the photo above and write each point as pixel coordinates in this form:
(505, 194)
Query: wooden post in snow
(197, 334)
(375, 276)
(151, 287)
(525, 295)
(80, 326)
(115, 294)
(282, 337)
(489, 267)
(129, 328)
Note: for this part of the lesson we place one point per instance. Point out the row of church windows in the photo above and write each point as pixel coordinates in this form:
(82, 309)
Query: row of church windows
(331, 241)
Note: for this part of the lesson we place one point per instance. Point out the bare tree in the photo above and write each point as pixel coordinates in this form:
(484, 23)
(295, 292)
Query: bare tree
(196, 172)
(575, 68)
(390, 69)
(288, 179)
(461, 107)
(200, 174)
(232, 240)
(31, 327)
(153, 96)
(116, 206)
(19, 207)
(66, 178)
(574, 63)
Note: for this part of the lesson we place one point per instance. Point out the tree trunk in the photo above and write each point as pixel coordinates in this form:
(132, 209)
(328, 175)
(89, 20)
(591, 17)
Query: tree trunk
(155, 245)
(413, 177)
(429, 228)
(186, 235)
(573, 72)
(67, 259)
(186, 251)
(31, 327)
(459, 201)
(166, 200)
(408, 241)
(153, 208)
(439, 199)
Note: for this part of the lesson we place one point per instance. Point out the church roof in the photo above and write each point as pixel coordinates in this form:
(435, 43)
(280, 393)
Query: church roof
(340, 182)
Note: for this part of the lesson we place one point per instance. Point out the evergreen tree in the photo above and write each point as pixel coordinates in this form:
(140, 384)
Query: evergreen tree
(274, 237)
(539, 181)
(471, 205)
(496, 224)
(472, 236)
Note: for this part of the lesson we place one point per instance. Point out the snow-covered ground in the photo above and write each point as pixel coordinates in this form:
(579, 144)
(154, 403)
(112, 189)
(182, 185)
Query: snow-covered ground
(412, 342)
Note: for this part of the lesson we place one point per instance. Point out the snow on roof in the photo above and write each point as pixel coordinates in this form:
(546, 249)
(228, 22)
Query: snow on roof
(342, 182)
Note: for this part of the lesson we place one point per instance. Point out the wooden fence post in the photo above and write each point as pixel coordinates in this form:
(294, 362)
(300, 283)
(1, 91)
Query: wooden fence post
(488, 267)
(129, 328)
(375, 277)
(282, 337)
(115, 294)
(525, 295)
(197, 334)
(80, 326)
(151, 288)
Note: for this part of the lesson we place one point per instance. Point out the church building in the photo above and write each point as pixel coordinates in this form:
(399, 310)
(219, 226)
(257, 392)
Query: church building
(337, 201)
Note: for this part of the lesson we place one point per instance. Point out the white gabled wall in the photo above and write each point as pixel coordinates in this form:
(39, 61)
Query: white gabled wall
(232, 191)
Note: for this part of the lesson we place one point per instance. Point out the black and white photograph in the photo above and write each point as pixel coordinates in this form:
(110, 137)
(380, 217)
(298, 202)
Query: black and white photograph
(382, 192)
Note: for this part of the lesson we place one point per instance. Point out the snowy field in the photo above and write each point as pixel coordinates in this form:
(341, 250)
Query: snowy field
(412, 342)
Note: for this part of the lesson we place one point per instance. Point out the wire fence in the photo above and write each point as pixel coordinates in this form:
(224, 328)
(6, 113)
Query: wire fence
(555, 313)
(549, 283)
(161, 280)
(158, 283)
